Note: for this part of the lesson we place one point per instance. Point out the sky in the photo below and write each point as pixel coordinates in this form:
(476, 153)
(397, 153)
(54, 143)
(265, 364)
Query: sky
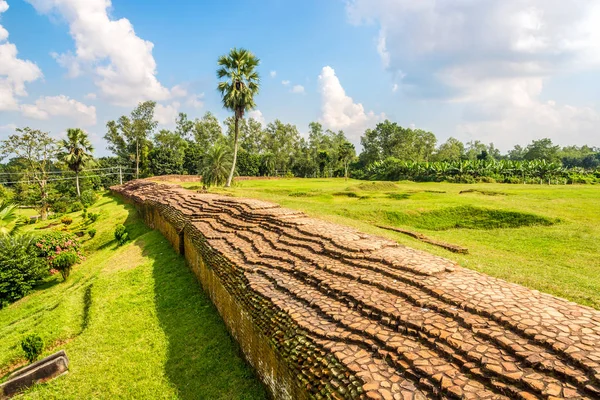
(506, 72)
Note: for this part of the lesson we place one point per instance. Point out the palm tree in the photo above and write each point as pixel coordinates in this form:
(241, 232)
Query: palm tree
(238, 89)
(8, 216)
(77, 152)
(217, 162)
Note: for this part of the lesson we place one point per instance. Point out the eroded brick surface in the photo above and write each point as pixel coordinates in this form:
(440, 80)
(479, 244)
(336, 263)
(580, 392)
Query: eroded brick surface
(355, 315)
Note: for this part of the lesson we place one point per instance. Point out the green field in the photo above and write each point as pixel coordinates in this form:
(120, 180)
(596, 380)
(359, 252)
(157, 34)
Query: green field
(544, 237)
(132, 320)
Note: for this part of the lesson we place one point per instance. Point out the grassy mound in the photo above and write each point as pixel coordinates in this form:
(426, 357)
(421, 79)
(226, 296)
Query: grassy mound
(303, 194)
(398, 196)
(346, 194)
(377, 186)
(466, 217)
(483, 192)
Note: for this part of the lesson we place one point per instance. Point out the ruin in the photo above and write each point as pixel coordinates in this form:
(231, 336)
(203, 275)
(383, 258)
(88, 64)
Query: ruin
(324, 311)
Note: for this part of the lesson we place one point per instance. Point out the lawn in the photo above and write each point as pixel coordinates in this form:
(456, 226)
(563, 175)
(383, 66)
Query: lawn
(133, 321)
(544, 237)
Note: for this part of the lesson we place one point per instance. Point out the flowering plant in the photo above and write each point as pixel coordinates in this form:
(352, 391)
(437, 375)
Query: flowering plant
(61, 251)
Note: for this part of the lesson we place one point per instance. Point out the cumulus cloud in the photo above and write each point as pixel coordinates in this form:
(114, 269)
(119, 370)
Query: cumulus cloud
(285, 83)
(257, 115)
(492, 58)
(60, 106)
(90, 96)
(14, 72)
(120, 62)
(297, 89)
(273, 74)
(339, 111)
(166, 115)
(195, 100)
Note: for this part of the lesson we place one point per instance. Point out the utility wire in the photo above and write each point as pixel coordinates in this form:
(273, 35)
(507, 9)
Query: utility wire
(64, 172)
(66, 179)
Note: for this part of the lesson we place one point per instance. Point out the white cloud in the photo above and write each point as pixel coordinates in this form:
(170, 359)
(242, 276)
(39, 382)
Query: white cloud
(492, 58)
(60, 106)
(14, 72)
(178, 91)
(166, 115)
(297, 89)
(120, 62)
(395, 87)
(339, 111)
(195, 100)
(90, 96)
(285, 83)
(257, 115)
(273, 74)
(8, 128)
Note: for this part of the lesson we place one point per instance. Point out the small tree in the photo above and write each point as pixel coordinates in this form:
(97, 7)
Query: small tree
(238, 89)
(32, 346)
(346, 153)
(76, 152)
(217, 163)
(37, 150)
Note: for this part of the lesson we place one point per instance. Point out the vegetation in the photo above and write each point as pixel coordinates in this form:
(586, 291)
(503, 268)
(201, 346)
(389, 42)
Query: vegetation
(238, 89)
(217, 165)
(9, 220)
(121, 234)
(133, 321)
(32, 346)
(543, 237)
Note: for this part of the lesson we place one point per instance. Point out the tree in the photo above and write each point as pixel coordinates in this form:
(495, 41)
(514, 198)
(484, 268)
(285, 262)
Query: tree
(128, 138)
(76, 152)
(281, 140)
(542, 149)
(37, 150)
(389, 139)
(238, 89)
(347, 153)
(451, 150)
(216, 164)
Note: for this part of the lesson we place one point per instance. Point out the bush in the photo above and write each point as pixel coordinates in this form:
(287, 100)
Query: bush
(93, 217)
(21, 268)
(121, 234)
(92, 232)
(84, 214)
(61, 251)
(89, 197)
(32, 345)
(66, 220)
(76, 206)
(59, 206)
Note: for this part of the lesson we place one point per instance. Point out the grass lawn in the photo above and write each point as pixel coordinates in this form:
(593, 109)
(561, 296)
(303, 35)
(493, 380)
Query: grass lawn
(133, 321)
(543, 237)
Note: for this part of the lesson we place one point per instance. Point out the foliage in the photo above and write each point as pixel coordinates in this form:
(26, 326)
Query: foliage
(20, 267)
(92, 232)
(76, 206)
(88, 198)
(64, 262)
(93, 217)
(66, 220)
(121, 234)
(9, 220)
(216, 166)
(32, 346)
(238, 89)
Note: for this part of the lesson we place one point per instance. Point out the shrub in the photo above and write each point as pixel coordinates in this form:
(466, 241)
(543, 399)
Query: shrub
(60, 206)
(84, 214)
(92, 232)
(64, 261)
(121, 234)
(89, 197)
(93, 217)
(21, 268)
(32, 346)
(76, 206)
(66, 220)
(61, 251)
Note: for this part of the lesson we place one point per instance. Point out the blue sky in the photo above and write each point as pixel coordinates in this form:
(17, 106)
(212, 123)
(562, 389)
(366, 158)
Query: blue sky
(502, 72)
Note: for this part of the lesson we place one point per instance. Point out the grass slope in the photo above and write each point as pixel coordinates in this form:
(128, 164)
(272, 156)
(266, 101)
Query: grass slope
(134, 323)
(543, 237)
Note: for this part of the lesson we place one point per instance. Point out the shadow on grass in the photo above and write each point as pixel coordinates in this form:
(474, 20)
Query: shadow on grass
(203, 361)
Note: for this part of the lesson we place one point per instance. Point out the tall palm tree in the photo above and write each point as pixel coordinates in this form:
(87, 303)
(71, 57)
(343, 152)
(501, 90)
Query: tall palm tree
(76, 152)
(8, 217)
(238, 89)
(217, 162)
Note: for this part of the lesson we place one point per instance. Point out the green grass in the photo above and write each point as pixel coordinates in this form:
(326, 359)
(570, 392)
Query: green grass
(133, 321)
(544, 237)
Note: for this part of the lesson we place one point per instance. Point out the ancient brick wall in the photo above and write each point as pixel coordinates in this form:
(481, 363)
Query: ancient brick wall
(324, 311)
